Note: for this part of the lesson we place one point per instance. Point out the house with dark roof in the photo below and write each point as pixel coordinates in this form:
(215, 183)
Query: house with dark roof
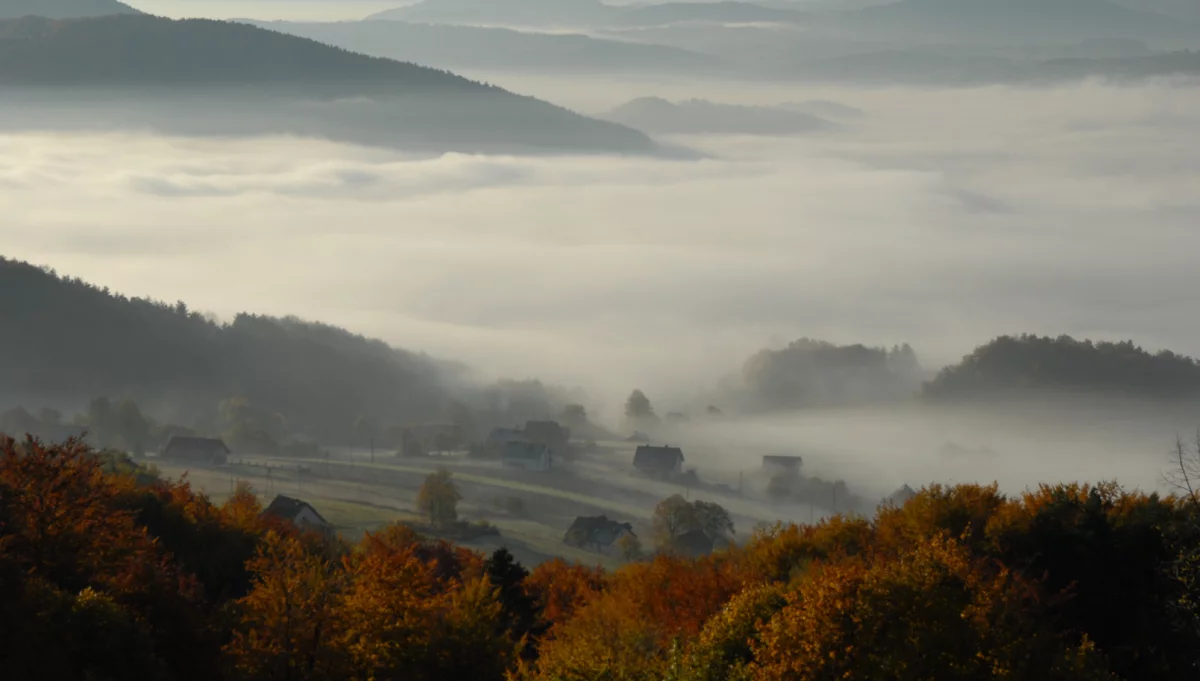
(299, 513)
(597, 533)
(527, 456)
(549, 433)
(788, 466)
(661, 461)
(196, 450)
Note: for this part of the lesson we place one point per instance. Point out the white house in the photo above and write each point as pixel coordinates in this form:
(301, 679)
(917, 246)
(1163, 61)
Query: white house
(527, 456)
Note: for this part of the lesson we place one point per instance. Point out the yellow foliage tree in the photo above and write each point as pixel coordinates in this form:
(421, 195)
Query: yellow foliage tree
(931, 613)
(290, 621)
(438, 498)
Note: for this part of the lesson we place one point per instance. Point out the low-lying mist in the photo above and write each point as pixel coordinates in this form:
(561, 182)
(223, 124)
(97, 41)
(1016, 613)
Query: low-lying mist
(939, 218)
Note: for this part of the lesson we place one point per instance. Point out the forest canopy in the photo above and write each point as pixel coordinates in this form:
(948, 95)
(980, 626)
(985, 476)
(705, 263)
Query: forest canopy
(1040, 363)
(134, 577)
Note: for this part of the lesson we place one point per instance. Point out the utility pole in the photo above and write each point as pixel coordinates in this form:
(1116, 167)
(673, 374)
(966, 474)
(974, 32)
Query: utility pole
(371, 443)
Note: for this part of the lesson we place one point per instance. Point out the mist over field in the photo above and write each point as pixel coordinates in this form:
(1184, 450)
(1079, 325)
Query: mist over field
(939, 218)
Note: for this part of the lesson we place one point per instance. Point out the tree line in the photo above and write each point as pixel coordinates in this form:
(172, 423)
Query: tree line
(182, 365)
(111, 573)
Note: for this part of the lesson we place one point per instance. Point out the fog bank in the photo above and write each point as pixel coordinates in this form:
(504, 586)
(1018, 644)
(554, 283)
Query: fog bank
(941, 218)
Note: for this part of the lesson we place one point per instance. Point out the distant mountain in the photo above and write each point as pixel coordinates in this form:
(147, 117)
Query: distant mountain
(929, 68)
(502, 12)
(698, 117)
(714, 12)
(823, 108)
(283, 84)
(1015, 22)
(472, 47)
(63, 9)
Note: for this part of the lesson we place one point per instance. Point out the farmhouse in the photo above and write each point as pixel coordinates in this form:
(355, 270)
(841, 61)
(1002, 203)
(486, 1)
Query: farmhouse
(788, 466)
(196, 450)
(548, 433)
(597, 533)
(527, 456)
(299, 513)
(660, 461)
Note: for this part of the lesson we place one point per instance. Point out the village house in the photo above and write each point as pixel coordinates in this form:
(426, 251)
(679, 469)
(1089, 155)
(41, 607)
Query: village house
(597, 533)
(527, 456)
(549, 433)
(196, 450)
(788, 466)
(661, 461)
(299, 513)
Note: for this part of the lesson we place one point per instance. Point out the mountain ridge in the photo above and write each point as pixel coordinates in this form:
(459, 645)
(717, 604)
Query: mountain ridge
(115, 60)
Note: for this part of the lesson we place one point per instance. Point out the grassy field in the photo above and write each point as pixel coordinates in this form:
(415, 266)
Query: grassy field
(355, 506)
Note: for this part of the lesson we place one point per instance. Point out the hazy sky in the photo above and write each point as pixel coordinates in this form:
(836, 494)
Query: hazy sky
(941, 219)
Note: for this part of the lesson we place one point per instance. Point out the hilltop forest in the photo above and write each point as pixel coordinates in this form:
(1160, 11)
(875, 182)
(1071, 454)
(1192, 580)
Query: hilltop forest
(132, 577)
(67, 344)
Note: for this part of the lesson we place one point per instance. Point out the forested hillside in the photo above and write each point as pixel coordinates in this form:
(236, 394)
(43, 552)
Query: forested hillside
(63, 9)
(203, 77)
(66, 342)
(131, 577)
(813, 373)
(1018, 364)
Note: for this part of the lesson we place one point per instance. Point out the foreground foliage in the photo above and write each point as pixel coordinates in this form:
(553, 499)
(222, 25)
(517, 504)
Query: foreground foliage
(108, 573)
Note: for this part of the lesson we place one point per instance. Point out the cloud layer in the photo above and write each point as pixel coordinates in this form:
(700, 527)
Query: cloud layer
(941, 219)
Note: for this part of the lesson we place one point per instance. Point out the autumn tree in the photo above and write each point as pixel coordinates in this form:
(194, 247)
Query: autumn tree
(675, 517)
(560, 588)
(712, 519)
(725, 647)
(438, 498)
(291, 622)
(930, 613)
(630, 547)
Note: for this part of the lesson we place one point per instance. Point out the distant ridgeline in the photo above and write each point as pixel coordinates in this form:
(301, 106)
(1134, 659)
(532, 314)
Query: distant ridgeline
(1021, 363)
(177, 76)
(810, 373)
(63, 9)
